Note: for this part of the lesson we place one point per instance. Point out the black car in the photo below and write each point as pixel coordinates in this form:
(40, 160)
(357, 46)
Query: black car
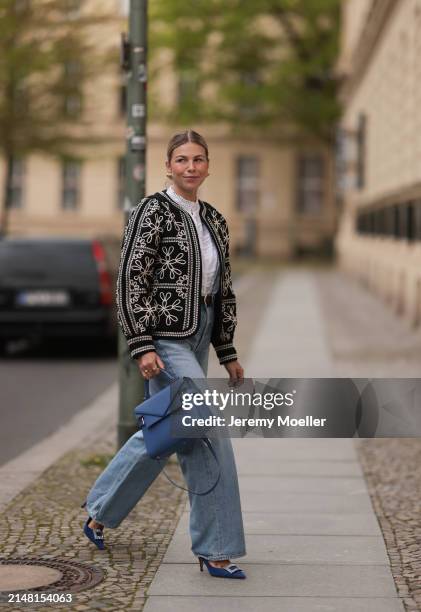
(57, 287)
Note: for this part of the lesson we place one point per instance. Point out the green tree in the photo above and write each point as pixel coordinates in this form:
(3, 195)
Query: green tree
(47, 55)
(270, 63)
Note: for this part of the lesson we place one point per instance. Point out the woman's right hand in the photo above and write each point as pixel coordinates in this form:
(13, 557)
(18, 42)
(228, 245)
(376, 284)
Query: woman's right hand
(150, 364)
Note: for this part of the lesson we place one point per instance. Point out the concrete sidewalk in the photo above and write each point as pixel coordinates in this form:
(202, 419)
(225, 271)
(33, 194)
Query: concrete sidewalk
(312, 537)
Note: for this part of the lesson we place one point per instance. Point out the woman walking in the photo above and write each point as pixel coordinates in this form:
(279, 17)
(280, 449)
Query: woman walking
(175, 298)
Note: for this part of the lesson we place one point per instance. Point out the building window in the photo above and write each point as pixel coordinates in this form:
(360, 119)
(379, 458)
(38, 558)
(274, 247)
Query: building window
(21, 99)
(72, 73)
(361, 150)
(400, 221)
(410, 221)
(72, 8)
(310, 183)
(396, 221)
(187, 87)
(122, 100)
(71, 184)
(21, 6)
(417, 220)
(121, 182)
(247, 181)
(73, 105)
(16, 183)
(250, 82)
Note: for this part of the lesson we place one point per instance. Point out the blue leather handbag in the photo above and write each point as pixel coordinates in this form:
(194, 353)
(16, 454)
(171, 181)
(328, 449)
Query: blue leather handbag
(159, 415)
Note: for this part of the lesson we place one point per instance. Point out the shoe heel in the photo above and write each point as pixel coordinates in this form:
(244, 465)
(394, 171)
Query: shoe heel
(231, 571)
(93, 536)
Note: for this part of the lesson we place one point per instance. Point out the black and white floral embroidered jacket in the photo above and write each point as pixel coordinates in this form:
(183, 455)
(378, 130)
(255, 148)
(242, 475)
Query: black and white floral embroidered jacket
(160, 277)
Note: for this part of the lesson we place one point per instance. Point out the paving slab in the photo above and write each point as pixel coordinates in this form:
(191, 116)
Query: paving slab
(268, 523)
(279, 549)
(250, 467)
(281, 450)
(277, 580)
(305, 502)
(292, 484)
(291, 341)
(269, 604)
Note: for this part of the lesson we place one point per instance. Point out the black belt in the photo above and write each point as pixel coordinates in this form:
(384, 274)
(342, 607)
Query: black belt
(208, 299)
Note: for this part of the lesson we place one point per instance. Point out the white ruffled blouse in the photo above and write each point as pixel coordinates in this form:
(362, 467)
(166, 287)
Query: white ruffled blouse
(209, 253)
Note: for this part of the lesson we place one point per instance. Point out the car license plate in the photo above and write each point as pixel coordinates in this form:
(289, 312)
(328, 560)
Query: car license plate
(43, 297)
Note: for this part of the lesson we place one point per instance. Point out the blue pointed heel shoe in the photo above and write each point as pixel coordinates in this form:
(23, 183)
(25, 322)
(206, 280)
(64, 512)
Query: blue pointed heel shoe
(94, 535)
(229, 571)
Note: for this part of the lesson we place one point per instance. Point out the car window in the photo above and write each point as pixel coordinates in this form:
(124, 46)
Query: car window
(47, 261)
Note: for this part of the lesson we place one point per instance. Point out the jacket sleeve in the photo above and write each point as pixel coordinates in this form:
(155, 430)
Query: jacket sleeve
(223, 336)
(135, 305)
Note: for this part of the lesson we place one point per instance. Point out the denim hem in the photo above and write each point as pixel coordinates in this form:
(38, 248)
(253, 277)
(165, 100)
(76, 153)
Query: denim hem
(222, 556)
(107, 525)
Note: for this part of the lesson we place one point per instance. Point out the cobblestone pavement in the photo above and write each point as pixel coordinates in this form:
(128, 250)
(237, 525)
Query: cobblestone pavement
(392, 472)
(367, 339)
(46, 521)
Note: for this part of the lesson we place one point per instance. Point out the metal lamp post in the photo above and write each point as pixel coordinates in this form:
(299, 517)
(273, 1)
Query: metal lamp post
(133, 60)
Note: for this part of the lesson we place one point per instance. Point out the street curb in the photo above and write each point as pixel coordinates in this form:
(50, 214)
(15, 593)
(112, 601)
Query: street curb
(89, 423)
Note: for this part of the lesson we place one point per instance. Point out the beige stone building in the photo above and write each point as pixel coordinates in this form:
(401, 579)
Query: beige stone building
(379, 238)
(278, 198)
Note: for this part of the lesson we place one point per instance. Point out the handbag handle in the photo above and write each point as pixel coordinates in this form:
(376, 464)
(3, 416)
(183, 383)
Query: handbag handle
(146, 394)
(210, 447)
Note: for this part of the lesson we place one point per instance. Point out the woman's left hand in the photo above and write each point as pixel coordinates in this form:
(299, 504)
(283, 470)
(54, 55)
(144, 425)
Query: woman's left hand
(235, 371)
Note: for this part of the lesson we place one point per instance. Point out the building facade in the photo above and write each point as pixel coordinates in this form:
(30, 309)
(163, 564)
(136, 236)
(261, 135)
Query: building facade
(379, 237)
(277, 197)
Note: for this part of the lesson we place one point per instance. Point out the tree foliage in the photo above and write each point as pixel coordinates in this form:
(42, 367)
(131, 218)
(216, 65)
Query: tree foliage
(46, 58)
(269, 63)
(47, 55)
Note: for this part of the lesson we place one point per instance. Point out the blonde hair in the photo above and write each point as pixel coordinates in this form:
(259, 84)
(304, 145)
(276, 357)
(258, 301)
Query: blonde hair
(187, 136)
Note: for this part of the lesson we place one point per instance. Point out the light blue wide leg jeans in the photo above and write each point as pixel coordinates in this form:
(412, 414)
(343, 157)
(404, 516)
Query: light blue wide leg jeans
(216, 525)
